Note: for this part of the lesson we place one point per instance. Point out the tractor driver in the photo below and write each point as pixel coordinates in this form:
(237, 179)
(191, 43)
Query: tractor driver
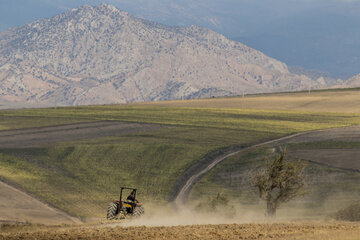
(131, 197)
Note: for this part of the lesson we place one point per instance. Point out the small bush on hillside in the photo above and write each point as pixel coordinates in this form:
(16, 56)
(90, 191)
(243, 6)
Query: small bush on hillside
(218, 205)
(350, 213)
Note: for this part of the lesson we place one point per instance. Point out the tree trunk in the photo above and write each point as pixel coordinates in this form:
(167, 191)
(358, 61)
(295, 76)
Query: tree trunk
(271, 208)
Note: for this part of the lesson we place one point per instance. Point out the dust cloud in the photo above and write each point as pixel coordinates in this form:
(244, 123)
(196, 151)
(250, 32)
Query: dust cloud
(182, 215)
(171, 214)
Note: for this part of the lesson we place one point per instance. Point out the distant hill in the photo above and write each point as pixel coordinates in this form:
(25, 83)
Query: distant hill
(102, 55)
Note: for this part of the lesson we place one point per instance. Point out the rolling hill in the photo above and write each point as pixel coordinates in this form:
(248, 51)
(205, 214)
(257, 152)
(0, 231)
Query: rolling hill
(149, 146)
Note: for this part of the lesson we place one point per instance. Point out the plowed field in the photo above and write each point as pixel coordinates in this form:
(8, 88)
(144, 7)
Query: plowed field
(304, 231)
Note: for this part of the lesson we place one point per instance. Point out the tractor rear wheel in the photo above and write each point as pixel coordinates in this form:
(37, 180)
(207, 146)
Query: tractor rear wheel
(138, 211)
(112, 211)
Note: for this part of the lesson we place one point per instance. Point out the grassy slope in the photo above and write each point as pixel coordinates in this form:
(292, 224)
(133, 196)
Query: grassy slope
(330, 188)
(69, 174)
(91, 171)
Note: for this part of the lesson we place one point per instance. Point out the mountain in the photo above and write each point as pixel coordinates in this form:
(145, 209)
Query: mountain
(322, 34)
(353, 82)
(102, 55)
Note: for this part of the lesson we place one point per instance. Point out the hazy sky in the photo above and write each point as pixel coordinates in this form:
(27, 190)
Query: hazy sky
(18, 12)
(318, 34)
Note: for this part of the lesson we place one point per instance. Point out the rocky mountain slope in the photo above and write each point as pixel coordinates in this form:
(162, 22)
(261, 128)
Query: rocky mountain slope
(353, 82)
(102, 55)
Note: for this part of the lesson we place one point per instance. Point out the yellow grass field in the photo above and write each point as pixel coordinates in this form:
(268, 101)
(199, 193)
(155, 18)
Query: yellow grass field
(344, 101)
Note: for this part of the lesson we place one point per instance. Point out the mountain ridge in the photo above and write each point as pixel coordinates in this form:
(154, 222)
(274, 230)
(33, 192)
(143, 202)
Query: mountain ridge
(353, 81)
(102, 55)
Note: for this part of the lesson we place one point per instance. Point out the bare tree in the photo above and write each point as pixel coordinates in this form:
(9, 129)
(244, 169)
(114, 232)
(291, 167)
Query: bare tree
(280, 181)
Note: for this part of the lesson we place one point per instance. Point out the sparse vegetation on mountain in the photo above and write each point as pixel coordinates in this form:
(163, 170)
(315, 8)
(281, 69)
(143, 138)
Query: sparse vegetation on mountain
(102, 55)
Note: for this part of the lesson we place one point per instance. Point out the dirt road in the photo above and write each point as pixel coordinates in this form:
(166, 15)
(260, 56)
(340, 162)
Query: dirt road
(33, 137)
(184, 184)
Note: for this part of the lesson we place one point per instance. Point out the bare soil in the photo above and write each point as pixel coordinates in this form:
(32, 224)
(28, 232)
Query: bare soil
(33, 137)
(17, 206)
(309, 230)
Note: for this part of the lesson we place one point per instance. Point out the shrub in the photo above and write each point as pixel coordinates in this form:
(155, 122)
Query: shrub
(350, 213)
(218, 205)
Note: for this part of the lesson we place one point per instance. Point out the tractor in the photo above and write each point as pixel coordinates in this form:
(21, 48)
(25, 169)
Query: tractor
(120, 209)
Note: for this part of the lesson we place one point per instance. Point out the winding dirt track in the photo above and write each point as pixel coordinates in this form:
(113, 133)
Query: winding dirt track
(183, 186)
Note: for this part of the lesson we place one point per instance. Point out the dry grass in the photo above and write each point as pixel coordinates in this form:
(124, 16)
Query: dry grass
(309, 230)
(345, 101)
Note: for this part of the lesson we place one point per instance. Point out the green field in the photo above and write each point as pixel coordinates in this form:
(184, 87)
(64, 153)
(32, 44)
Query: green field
(81, 177)
(91, 171)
